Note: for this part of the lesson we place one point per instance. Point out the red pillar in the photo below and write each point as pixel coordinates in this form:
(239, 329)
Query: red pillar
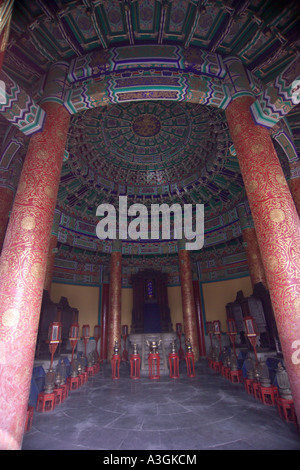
(277, 227)
(256, 267)
(188, 302)
(104, 319)
(52, 252)
(22, 269)
(255, 263)
(199, 318)
(115, 286)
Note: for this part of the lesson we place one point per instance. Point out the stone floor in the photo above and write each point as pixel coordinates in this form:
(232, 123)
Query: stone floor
(202, 413)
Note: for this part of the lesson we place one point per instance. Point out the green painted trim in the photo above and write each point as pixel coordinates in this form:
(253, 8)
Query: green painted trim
(75, 284)
(227, 279)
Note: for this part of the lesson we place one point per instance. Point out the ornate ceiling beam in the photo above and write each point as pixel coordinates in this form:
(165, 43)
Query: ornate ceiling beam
(190, 33)
(91, 11)
(19, 108)
(163, 19)
(57, 16)
(129, 21)
(237, 9)
(280, 97)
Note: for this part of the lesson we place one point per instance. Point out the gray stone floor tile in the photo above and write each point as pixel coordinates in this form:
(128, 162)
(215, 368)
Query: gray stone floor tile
(203, 413)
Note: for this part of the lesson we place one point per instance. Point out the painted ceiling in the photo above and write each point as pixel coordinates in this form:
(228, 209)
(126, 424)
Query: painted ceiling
(152, 151)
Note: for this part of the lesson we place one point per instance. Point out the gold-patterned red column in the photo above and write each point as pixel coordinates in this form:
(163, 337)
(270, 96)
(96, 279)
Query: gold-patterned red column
(255, 263)
(277, 227)
(115, 292)
(50, 263)
(22, 269)
(52, 252)
(188, 302)
(6, 201)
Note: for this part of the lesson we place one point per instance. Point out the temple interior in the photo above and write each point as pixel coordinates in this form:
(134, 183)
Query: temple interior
(180, 332)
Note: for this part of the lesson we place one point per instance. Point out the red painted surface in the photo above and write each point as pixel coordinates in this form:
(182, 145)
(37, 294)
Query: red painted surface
(22, 269)
(277, 228)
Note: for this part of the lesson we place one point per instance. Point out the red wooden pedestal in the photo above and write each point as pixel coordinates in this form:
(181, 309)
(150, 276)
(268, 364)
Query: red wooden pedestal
(84, 377)
(58, 392)
(154, 366)
(216, 365)
(45, 402)
(286, 410)
(269, 395)
(257, 390)
(249, 386)
(235, 376)
(90, 371)
(190, 364)
(65, 391)
(135, 366)
(115, 364)
(73, 383)
(225, 371)
(174, 365)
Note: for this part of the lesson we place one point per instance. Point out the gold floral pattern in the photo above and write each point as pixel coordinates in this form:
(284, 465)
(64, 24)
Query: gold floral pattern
(277, 226)
(23, 264)
(256, 267)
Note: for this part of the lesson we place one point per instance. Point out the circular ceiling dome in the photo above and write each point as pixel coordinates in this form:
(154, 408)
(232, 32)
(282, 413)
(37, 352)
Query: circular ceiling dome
(146, 133)
(148, 143)
(146, 126)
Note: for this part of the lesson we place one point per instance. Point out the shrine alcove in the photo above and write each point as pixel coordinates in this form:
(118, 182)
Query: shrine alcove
(150, 313)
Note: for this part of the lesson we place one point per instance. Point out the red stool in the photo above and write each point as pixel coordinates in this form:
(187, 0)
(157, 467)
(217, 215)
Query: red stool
(269, 395)
(257, 390)
(216, 365)
(154, 365)
(65, 389)
(29, 418)
(45, 402)
(90, 371)
(190, 364)
(227, 373)
(286, 410)
(236, 376)
(58, 395)
(73, 383)
(84, 377)
(135, 366)
(249, 386)
(115, 364)
(174, 365)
